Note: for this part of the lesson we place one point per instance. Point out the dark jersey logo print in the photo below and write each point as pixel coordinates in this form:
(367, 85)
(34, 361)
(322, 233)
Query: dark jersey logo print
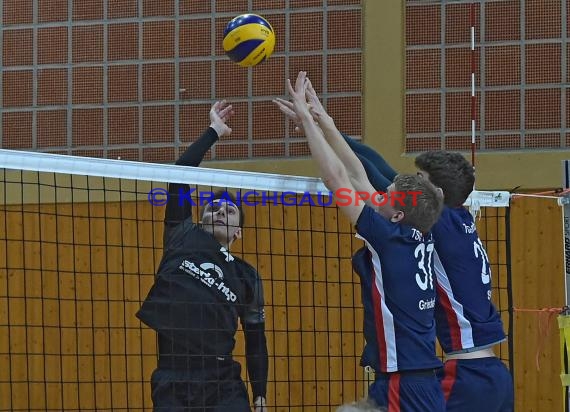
(210, 275)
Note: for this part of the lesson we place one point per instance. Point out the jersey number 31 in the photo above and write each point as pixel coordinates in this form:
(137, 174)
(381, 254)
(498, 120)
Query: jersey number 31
(424, 278)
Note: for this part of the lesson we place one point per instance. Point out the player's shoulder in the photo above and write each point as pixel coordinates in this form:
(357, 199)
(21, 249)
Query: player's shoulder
(370, 218)
(376, 228)
(460, 212)
(176, 231)
(455, 219)
(245, 267)
(186, 227)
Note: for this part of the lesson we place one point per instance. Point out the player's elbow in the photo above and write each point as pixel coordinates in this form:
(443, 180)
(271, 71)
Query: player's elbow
(335, 178)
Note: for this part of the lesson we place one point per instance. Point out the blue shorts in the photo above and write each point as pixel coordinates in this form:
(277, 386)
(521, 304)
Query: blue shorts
(408, 392)
(475, 385)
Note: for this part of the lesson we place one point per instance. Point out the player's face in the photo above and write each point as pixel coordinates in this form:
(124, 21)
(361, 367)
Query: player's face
(221, 219)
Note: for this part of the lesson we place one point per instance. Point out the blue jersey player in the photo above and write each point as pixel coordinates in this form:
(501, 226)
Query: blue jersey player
(395, 266)
(468, 325)
(467, 322)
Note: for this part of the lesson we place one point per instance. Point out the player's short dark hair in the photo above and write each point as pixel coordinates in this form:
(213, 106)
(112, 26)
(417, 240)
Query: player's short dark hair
(422, 210)
(224, 194)
(451, 172)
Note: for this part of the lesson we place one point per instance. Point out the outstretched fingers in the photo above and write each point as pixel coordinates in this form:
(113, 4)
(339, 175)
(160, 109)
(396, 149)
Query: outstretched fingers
(221, 111)
(290, 88)
(313, 99)
(301, 82)
(285, 106)
(298, 92)
(226, 113)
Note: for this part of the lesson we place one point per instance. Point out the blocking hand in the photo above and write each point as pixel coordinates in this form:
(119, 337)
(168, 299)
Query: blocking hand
(220, 113)
(287, 109)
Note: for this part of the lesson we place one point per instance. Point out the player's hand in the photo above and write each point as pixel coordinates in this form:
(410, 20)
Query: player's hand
(220, 113)
(260, 404)
(298, 94)
(316, 108)
(287, 109)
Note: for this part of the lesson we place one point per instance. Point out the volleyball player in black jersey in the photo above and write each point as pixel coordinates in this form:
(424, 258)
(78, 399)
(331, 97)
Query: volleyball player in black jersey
(199, 293)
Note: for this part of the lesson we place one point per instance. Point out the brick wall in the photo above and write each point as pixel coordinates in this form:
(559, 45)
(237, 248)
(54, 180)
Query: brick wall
(135, 78)
(521, 61)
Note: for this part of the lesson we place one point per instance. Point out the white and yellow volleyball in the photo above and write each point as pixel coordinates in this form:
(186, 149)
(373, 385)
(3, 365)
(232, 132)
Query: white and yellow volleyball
(249, 40)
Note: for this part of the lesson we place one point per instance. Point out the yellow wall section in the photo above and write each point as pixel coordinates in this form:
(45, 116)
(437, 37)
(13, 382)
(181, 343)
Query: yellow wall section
(75, 274)
(538, 282)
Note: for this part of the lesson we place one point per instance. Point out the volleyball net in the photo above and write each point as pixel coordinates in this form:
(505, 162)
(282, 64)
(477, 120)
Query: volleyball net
(80, 243)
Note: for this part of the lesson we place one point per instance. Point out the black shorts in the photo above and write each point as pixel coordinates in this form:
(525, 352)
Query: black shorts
(218, 389)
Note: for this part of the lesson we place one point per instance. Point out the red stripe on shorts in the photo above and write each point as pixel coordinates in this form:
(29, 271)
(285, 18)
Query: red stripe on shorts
(450, 374)
(394, 393)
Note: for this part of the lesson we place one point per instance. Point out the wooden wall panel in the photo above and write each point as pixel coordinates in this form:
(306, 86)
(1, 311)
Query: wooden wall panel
(538, 282)
(69, 338)
(75, 275)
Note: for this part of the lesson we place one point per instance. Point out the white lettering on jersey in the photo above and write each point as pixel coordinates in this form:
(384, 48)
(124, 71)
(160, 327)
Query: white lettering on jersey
(204, 275)
(208, 266)
(229, 258)
(470, 229)
(230, 296)
(425, 278)
(426, 304)
(480, 252)
(417, 235)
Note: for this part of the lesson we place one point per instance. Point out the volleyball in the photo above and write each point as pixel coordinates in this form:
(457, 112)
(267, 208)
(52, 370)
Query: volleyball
(248, 40)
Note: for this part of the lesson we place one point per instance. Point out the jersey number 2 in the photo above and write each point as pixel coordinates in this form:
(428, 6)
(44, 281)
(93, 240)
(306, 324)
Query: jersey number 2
(424, 278)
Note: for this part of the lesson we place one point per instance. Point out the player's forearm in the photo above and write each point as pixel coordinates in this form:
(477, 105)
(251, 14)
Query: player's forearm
(375, 158)
(176, 210)
(259, 380)
(256, 358)
(352, 164)
(331, 169)
(195, 153)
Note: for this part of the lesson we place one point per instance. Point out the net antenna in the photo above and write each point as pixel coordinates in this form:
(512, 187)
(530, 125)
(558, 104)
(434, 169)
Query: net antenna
(473, 70)
(478, 199)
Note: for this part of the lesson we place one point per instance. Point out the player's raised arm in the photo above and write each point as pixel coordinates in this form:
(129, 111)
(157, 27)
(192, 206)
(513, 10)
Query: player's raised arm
(177, 209)
(379, 172)
(332, 169)
(336, 141)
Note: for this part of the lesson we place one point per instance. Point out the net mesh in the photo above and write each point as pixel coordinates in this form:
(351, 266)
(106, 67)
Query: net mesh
(79, 252)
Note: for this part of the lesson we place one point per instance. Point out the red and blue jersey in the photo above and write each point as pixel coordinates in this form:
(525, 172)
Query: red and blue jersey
(465, 316)
(398, 294)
